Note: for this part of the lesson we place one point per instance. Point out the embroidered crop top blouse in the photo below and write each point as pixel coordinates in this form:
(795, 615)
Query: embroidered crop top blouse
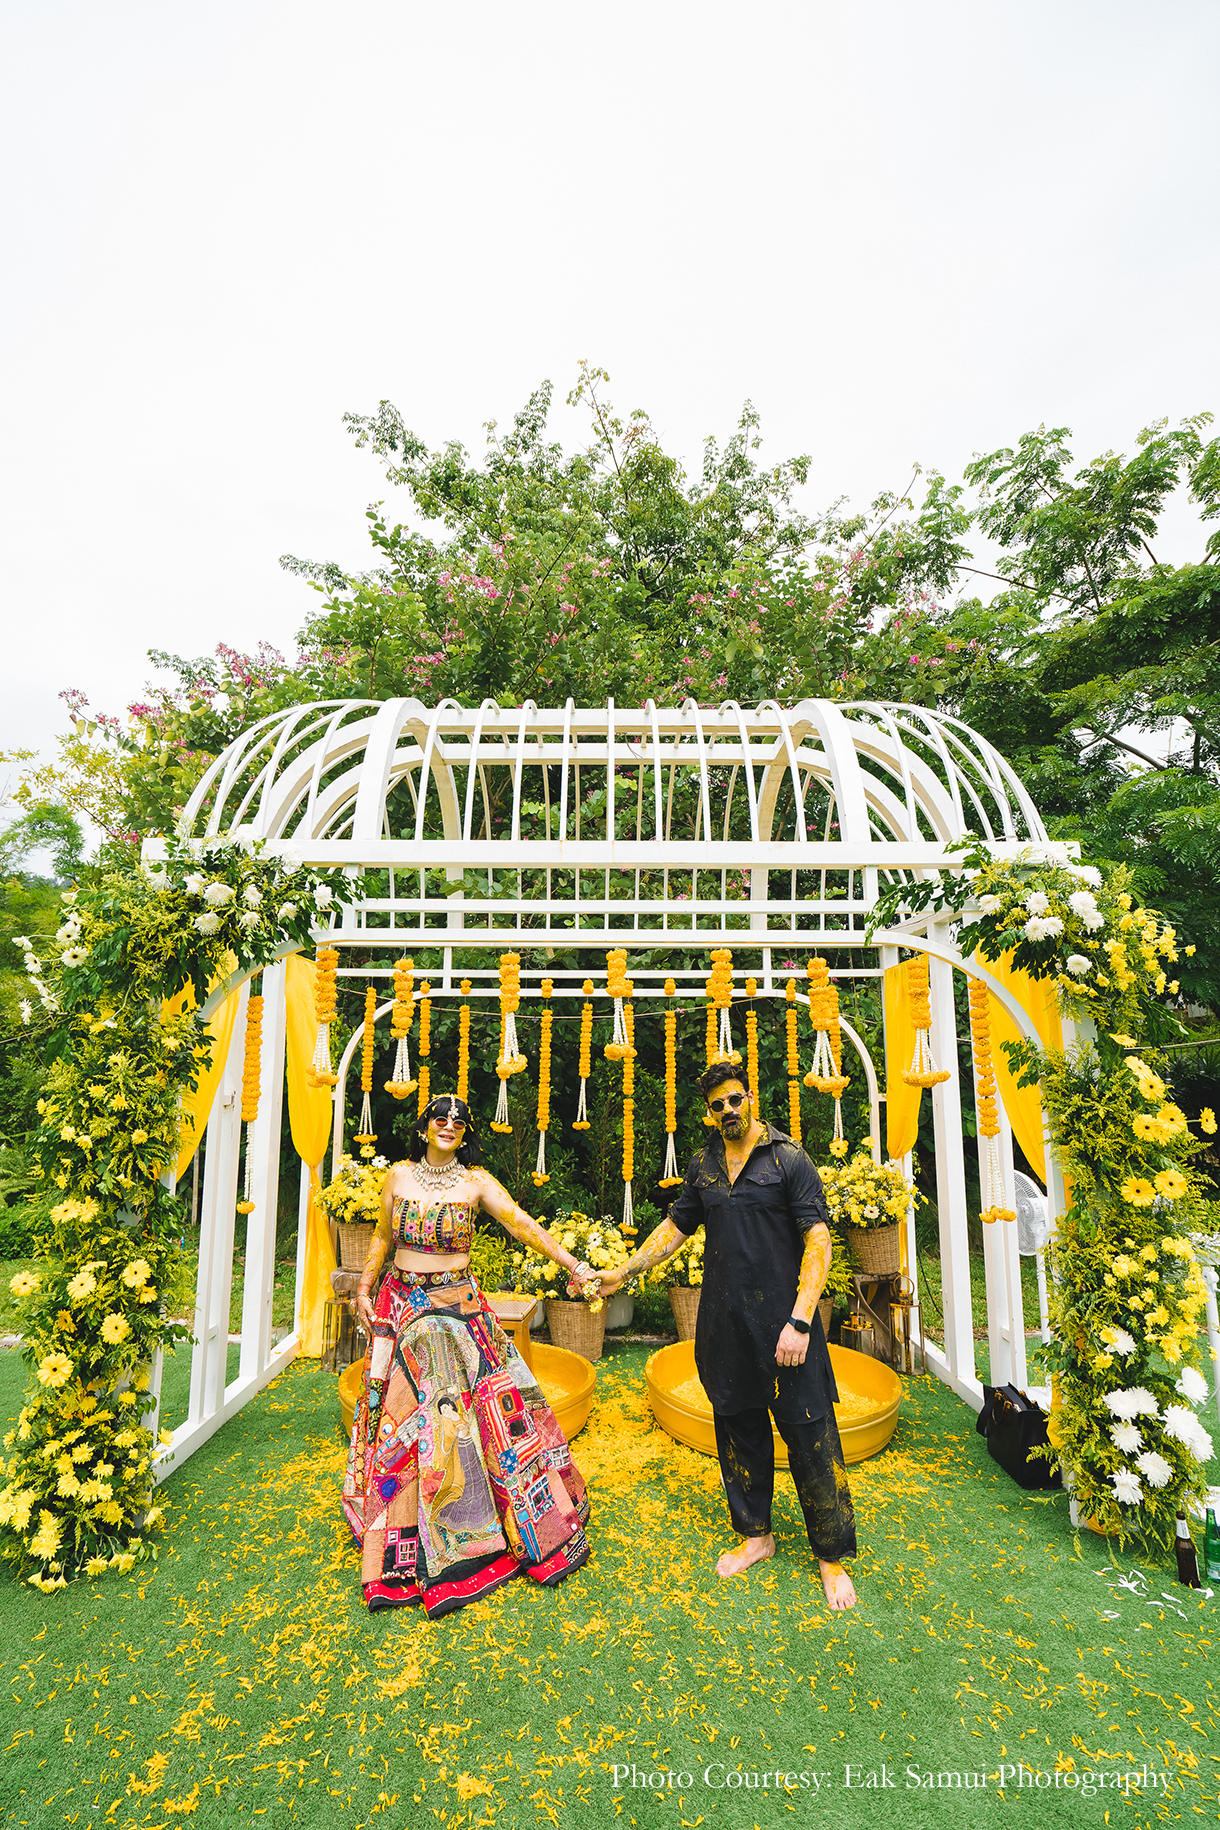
(443, 1227)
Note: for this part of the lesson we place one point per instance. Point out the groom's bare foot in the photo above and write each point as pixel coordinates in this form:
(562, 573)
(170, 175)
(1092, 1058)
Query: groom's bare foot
(840, 1592)
(753, 1550)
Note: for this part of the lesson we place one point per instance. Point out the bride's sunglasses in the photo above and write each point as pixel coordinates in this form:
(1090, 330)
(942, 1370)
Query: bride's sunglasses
(731, 1099)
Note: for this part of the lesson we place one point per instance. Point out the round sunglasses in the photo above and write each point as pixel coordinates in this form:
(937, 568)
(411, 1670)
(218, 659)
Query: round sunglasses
(731, 1099)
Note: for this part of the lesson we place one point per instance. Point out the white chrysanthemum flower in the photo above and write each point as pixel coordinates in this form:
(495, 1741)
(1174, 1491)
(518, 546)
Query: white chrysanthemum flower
(1077, 964)
(1127, 1437)
(1192, 1385)
(1119, 1340)
(286, 911)
(195, 884)
(1154, 1468)
(1042, 927)
(323, 896)
(248, 918)
(207, 924)
(1093, 920)
(990, 905)
(1180, 1423)
(252, 896)
(1037, 903)
(1127, 1490)
(291, 858)
(1135, 1401)
(1082, 902)
(218, 895)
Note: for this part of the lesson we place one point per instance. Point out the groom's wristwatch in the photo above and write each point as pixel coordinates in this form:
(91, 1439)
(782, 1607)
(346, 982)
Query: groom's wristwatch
(794, 1321)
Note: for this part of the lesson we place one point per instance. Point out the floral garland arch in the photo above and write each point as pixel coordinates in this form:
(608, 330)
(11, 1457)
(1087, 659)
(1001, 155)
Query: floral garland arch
(134, 961)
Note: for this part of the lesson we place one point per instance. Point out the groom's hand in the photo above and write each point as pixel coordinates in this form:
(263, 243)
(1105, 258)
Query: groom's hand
(791, 1348)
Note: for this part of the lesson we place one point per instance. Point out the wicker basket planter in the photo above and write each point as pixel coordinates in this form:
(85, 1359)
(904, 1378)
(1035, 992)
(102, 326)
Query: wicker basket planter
(684, 1301)
(354, 1243)
(875, 1250)
(825, 1311)
(575, 1327)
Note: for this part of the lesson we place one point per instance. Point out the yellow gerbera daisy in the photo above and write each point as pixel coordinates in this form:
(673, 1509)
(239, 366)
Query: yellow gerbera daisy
(1172, 1184)
(1138, 1190)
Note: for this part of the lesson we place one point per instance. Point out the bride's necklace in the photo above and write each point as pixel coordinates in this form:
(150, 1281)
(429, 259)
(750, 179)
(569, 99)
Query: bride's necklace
(433, 1178)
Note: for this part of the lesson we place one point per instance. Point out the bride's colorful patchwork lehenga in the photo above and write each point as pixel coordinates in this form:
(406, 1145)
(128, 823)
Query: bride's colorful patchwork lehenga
(458, 1477)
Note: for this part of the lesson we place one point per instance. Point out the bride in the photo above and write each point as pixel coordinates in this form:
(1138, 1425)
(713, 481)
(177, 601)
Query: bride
(458, 1476)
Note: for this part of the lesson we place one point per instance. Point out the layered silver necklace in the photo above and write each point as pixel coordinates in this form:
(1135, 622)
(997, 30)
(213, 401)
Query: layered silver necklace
(435, 1179)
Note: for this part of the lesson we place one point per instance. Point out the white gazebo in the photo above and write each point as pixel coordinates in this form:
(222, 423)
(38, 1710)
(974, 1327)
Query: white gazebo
(762, 829)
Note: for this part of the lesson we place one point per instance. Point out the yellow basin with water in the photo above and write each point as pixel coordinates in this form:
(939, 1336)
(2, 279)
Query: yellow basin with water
(567, 1381)
(867, 1413)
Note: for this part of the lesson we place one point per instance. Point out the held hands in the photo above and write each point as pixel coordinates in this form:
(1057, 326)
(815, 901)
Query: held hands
(611, 1282)
(791, 1348)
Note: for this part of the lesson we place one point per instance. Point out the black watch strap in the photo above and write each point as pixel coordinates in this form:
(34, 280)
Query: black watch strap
(794, 1321)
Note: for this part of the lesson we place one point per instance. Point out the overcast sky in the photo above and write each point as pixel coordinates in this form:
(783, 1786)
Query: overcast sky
(907, 231)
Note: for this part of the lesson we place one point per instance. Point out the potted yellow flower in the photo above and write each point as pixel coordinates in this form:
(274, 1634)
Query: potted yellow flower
(579, 1326)
(868, 1203)
(682, 1276)
(352, 1202)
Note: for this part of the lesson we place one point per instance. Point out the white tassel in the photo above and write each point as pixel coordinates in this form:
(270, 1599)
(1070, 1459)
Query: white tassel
(501, 1117)
(670, 1170)
(582, 1116)
(540, 1173)
(628, 1210)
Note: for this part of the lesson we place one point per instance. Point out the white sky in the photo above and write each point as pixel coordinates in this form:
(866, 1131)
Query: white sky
(906, 231)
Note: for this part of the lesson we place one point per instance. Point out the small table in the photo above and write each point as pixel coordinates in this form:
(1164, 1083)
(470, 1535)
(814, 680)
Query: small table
(514, 1314)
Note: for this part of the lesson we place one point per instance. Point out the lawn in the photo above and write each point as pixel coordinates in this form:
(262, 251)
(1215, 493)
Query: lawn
(239, 1680)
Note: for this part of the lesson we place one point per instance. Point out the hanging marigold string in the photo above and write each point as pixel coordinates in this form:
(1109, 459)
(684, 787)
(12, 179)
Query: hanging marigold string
(670, 1177)
(251, 1074)
(425, 1048)
(923, 1071)
(720, 991)
(325, 1009)
(991, 1176)
(794, 1066)
(400, 1083)
(463, 1073)
(618, 987)
(366, 1137)
(628, 1223)
(826, 1073)
(581, 1121)
(510, 1060)
(544, 1084)
(752, 1041)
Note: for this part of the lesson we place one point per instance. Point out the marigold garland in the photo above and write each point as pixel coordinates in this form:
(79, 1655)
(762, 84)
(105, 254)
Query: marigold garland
(826, 1073)
(510, 1059)
(628, 1221)
(987, 1108)
(463, 1073)
(326, 1009)
(923, 1071)
(366, 1137)
(250, 1076)
(720, 991)
(752, 1041)
(618, 987)
(544, 1083)
(581, 1121)
(794, 1066)
(670, 1177)
(425, 1047)
(400, 1083)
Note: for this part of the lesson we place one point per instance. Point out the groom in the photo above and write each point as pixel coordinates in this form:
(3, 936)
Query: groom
(759, 1346)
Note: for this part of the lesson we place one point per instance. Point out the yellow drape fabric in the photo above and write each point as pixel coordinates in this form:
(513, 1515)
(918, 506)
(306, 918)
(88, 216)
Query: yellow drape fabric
(901, 1101)
(310, 1112)
(1037, 997)
(197, 1106)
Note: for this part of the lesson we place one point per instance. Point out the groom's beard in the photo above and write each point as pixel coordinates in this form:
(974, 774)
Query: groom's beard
(734, 1124)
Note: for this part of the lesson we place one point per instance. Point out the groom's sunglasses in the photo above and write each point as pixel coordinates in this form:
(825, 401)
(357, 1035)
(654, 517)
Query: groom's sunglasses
(732, 1099)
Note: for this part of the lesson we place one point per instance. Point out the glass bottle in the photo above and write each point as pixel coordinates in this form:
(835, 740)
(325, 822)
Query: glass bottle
(1188, 1563)
(1211, 1546)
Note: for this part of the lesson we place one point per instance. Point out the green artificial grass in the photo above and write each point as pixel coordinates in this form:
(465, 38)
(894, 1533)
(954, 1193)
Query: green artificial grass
(239, 1681)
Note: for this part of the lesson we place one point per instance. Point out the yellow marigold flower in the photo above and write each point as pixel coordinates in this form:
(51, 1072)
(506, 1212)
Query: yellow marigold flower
(1171, 1349)
(55, 1370)
(115, 1328)
(45, 1541)
(1122, 1266)
(1172, 1184)
(1138, 1190)
(139, 1137)
(1102, 1361)
(1207, 1120)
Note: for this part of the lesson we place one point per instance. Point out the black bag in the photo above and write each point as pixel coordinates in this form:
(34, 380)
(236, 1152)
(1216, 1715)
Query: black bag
(1013, 1425)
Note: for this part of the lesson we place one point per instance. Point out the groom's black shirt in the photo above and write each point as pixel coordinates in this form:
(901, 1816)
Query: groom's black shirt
(755, 1233)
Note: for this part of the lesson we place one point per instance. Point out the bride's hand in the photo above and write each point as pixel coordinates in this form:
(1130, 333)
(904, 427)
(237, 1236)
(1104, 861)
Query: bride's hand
(364, 1313)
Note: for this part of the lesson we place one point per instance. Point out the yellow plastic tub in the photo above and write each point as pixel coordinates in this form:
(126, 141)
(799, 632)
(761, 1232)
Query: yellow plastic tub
(867, 1414)
(566, 1379)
